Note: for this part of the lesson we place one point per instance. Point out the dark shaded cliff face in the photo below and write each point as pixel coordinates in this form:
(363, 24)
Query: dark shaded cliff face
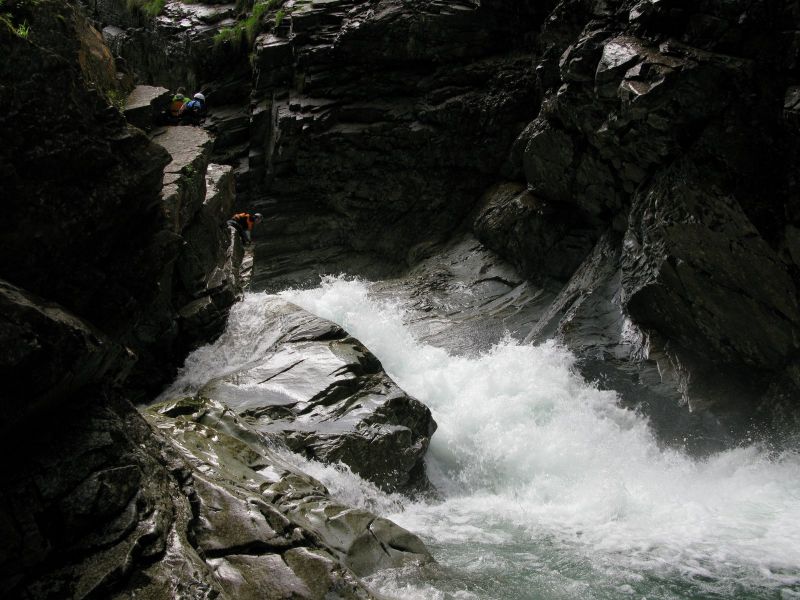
(359, 126)
(394, 119)
(89, 221)
(638, 156)
(77, 182)
(633, 160)
(67, 160)
(664, 127)
(116, 262)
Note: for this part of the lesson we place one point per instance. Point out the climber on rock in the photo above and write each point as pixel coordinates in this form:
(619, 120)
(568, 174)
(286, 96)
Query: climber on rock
(176, 104)
(194, 111)
(244, 223)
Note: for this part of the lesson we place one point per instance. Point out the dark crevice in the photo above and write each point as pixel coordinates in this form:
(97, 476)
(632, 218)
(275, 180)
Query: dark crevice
(292, 366)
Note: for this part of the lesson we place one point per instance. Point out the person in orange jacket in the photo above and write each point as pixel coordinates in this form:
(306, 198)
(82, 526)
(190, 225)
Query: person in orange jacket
(244, 223)
(176, 104)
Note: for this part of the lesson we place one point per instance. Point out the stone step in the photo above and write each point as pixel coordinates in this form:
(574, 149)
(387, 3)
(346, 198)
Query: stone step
(144, 104)
(184, 178)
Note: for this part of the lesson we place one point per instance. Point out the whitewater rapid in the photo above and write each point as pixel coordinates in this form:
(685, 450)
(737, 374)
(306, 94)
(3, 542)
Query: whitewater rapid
(550, 490)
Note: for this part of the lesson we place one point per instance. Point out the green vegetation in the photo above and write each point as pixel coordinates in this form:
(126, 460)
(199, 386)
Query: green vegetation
(252, 24)
(150, 8)
(230, 35)
(244, 32)
(23, 30)
(10, 17)
(116, 98)
(279, 17)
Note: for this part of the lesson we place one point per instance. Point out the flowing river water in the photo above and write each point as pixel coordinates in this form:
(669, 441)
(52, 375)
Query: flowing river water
(549, 489)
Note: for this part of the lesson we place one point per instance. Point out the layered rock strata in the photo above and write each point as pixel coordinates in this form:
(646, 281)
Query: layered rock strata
(118, 263)
(356, 126)
(261, 524)
(662, 144)
(649, 187)
(632, 159)
(99, 506)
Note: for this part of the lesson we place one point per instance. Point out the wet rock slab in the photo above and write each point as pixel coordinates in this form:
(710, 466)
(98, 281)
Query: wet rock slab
(144, 103)
(184, 181)
(464, 297)
(327, 396)
(194, 505)
(264, 528)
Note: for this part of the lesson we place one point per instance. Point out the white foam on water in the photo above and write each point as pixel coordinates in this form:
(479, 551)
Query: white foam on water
(248, 337)
(528, 451)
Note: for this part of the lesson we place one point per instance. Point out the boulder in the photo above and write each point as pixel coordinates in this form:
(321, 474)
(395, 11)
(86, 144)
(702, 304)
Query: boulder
(49, 355)
(545, 239)
(102, 506)
(91, 507)
(548, 158)
(327, 397)
(688, 271)
(144, 104)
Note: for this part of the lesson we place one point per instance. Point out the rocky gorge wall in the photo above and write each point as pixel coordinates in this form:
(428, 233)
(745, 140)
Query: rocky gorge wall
(117, 262)
(667, 132)
(632, 159)
(100, 219)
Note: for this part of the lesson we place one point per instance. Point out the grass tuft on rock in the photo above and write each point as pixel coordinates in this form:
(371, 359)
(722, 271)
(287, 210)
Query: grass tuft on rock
(11, 17)
(243, 34)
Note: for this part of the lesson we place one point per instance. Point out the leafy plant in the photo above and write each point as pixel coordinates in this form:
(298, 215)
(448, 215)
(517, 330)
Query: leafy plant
(252, 24)
(12, 14)
(229, 35)
(23, 30)
(116, 98)
(248, 28)
(279, 17)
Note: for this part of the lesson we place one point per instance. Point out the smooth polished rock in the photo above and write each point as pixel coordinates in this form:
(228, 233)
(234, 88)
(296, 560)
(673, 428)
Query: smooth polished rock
(250, 496)
(328, 397)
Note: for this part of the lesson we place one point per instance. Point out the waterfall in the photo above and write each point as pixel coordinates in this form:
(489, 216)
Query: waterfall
(546, 479)
(549, 488)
